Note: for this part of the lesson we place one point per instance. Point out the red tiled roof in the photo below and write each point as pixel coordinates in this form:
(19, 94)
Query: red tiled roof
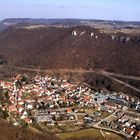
(86, 98)
(138, 134)
(69, 110)
(12, 108)
(129, 130)
(19, 106)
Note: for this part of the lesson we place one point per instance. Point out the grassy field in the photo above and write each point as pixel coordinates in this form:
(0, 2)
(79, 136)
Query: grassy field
(94, 133)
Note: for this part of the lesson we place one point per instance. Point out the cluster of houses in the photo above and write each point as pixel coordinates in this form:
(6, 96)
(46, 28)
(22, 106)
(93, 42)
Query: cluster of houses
(41, 93)
(126, 123)
(55, 100)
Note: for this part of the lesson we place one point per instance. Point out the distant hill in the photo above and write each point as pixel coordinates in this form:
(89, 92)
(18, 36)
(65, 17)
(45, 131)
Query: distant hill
(14, 21)
(69, 22)
(2, 27)
(29, 20)
(55, 48)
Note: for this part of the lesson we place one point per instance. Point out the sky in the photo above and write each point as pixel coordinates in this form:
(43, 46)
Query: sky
(127, 10)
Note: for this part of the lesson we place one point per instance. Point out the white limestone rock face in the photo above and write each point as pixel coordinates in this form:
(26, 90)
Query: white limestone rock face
(91, 34)
(74, 33)
(82, 33)
(96, 37)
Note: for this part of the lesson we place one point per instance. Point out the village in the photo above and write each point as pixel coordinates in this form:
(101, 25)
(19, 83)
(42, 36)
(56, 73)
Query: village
(55, 104)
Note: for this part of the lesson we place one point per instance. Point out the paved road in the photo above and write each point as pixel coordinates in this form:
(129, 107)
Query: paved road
(107, 118)
(133, 116)
(96, 125)
(122, 75)
(123, 83)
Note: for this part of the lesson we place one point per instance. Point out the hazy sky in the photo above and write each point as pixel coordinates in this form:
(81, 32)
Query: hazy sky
(93, 9)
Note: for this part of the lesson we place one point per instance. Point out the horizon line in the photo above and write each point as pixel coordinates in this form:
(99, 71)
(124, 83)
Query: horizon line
(71, 19)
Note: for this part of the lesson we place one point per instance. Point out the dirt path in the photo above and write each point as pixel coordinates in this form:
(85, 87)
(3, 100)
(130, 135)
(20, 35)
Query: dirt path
(105, 73)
